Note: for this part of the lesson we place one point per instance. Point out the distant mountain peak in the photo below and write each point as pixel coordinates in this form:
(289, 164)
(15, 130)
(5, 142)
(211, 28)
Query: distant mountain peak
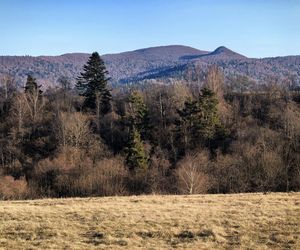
(225, 52)
(222, 49)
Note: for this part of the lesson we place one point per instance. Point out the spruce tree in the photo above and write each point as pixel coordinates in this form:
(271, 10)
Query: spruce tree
(136, 157)
(199, 121)
(186, 124)
(92, 84)
(207, 115)
(138, 114)
(31, 85)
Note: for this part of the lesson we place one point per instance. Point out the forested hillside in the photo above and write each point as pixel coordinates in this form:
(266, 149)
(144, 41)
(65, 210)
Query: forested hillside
(163, 64)
(200, 136)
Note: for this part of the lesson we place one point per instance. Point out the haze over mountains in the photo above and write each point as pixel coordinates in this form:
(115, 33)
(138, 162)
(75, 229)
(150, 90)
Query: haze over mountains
(164, 62)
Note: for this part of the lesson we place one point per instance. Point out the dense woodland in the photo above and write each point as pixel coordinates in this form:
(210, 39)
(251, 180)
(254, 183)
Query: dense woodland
(187, 137)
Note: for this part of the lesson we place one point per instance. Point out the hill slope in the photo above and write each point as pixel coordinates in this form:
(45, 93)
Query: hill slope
(157, 62)
(239, 221)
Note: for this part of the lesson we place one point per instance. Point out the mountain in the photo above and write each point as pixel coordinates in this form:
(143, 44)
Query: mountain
(220, 53)
(132, 65)
(223, 52)
(150, 63)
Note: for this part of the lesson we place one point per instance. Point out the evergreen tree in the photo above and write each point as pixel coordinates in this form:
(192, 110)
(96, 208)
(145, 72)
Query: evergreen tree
(92, 84)
(199, 121)
(136, 157)
(32, 86)
(207, 115)
(138, 114)
(186, 124)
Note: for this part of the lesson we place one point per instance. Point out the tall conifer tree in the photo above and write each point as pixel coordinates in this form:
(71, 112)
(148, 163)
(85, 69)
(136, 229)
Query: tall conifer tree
(92, 84)
(136, 157)
(138, 114)
(199, 121)
(31, 85)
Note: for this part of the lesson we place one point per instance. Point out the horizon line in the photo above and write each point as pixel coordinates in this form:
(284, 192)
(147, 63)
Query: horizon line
(143, 48)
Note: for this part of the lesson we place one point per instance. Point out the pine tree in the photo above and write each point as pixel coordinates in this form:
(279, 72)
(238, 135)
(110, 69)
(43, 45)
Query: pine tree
(32, 86)
(136, 157)
(92, 84)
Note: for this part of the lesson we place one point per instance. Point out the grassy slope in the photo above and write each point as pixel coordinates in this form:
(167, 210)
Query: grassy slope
(252, 221)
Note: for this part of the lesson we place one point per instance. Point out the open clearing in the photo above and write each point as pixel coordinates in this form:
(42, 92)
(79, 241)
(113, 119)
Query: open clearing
(240, 221)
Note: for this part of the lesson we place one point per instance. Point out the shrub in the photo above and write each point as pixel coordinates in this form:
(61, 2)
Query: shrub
(78, 176)
(11, 188)
(105, 179)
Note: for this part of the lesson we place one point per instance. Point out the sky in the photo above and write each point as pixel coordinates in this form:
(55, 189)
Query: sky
(255, 28)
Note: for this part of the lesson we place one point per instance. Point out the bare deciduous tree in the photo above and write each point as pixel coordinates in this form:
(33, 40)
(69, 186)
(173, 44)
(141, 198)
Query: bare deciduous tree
(191, 174)
(18, 112)
(35, 105)
(73, 129)
(7, 85)
(215, 81)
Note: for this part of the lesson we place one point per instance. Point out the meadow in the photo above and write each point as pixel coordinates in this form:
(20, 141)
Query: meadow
(237, 221)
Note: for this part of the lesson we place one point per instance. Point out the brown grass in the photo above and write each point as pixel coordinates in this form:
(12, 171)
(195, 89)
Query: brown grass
(241, 221)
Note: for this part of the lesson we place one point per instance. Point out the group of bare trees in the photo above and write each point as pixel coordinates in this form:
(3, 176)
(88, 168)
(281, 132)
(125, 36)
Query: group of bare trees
(49, 146)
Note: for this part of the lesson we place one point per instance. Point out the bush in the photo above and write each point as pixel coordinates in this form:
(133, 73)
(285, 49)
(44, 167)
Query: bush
(55, 177)
(77, 175)
(11, 188)
(105, 179)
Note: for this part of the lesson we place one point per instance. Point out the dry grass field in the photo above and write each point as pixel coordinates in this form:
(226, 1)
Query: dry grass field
(240, 221)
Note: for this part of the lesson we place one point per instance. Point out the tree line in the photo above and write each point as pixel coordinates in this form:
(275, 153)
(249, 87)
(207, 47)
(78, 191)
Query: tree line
(179, 138)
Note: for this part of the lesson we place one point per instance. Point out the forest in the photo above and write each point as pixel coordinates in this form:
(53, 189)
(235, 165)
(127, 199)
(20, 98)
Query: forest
(216, 135)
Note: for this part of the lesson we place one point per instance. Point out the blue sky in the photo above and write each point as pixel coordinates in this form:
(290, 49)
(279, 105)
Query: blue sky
(255, 28)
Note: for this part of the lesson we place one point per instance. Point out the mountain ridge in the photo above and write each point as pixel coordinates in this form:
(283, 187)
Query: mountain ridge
(150, 63)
